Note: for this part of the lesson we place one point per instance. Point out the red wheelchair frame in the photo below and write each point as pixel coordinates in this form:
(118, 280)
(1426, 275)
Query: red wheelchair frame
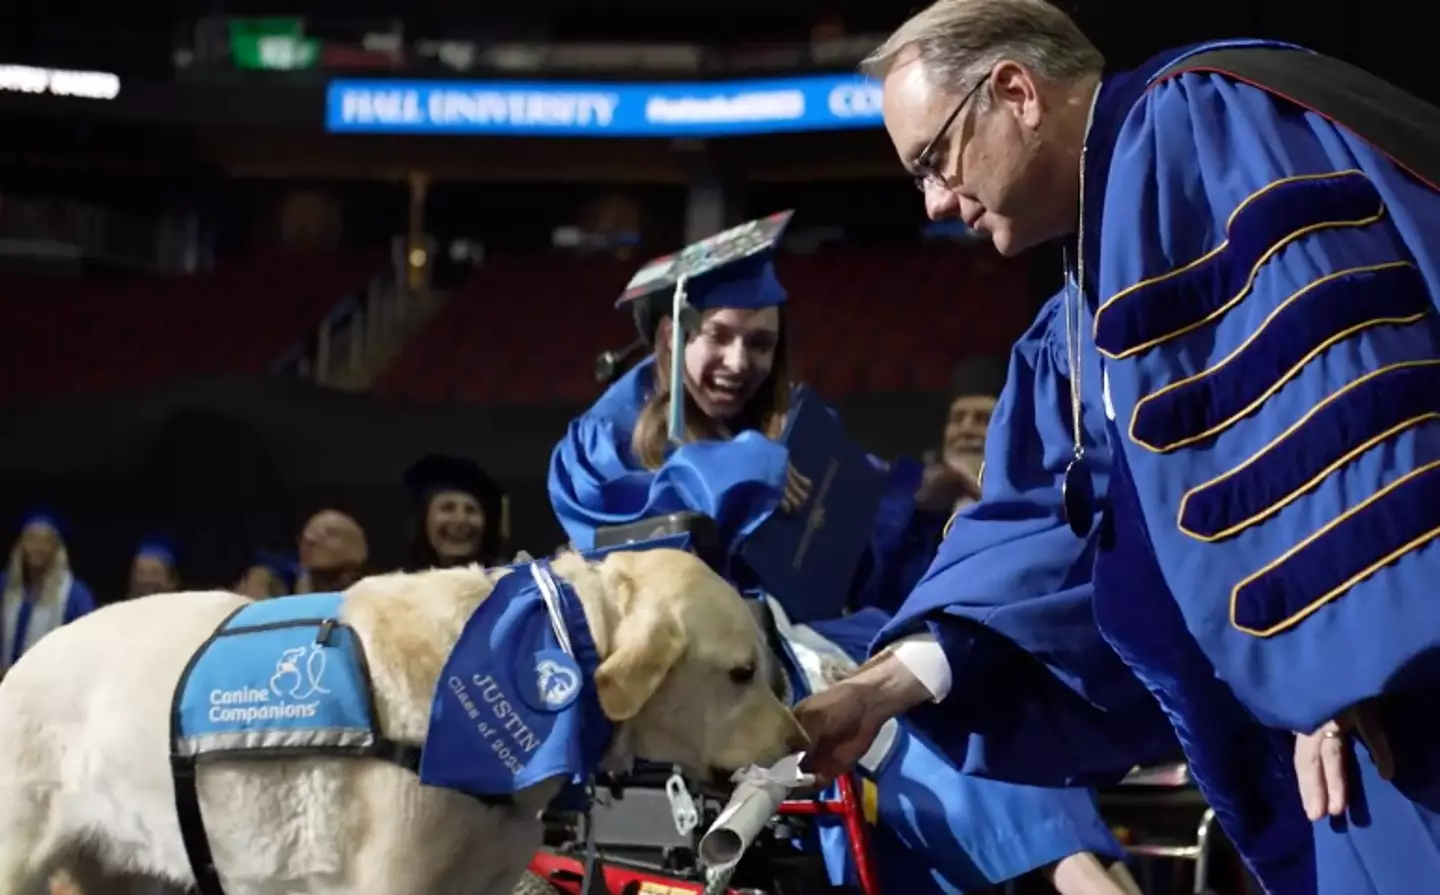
(566, 873)
(696, 533)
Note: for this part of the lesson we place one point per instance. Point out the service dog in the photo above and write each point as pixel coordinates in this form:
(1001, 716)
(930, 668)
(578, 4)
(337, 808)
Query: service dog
(85, 740)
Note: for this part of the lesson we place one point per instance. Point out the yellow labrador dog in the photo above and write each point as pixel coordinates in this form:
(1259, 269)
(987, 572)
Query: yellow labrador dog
(85, 739)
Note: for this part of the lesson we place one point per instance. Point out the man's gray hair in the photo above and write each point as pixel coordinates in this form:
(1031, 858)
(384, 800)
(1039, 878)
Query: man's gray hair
(958, 41)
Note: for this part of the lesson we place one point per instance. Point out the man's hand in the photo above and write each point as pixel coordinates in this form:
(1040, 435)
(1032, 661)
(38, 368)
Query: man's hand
(844, 720)
(1320, 759)
(943, 486)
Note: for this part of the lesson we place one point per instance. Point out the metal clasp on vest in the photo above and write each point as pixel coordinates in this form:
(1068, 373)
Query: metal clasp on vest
(322, 637)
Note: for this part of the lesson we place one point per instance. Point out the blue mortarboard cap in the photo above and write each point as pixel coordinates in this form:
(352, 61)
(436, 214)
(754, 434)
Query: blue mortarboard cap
(157, 547)
(733, 269)
(42, 515)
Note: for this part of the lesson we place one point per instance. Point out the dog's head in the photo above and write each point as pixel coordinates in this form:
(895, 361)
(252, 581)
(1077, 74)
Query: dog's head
(686, 668)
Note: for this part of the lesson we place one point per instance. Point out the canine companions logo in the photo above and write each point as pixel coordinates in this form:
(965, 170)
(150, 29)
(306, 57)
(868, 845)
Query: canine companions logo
(557, 680)
(287, 680)
(296, 688)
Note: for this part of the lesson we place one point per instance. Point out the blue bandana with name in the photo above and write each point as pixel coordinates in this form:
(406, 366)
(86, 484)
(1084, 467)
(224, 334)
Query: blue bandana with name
(516, 703)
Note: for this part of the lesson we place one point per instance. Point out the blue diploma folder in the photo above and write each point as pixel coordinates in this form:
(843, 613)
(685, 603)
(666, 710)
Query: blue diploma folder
(807, 558)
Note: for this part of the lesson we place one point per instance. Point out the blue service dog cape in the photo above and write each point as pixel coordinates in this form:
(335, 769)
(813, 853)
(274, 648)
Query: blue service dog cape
(277, 677)
(516, 702)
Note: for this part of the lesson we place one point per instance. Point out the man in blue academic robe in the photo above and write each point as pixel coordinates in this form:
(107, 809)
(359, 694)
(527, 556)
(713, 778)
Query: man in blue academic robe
(1251, 230)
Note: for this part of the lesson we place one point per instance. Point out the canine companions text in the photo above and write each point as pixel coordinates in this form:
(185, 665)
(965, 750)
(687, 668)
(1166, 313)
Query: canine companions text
(680, 677)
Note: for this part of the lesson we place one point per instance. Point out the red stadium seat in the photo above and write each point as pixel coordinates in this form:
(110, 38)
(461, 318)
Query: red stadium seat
(69, 336)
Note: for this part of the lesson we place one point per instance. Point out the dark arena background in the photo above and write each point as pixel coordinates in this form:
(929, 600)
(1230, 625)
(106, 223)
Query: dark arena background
(257, 258)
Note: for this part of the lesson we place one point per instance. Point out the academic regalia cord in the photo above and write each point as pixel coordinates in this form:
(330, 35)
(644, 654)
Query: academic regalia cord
(1077, 490)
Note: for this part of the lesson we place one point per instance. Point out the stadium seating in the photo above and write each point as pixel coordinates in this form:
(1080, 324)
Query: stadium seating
(520, 331)
(66, 336)
(528, 330)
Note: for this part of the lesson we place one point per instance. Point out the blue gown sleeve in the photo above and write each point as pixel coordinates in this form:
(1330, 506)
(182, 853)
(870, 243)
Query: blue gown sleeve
(594, 482)
(1266, 311)
(1037, 695)
(80, 602)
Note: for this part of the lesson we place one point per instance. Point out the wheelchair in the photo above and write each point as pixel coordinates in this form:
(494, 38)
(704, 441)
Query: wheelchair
(640, 850)
(1165, 823)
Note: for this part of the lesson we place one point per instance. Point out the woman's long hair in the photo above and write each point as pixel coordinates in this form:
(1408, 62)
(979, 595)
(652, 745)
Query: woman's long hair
(51, 589)
(765, 412)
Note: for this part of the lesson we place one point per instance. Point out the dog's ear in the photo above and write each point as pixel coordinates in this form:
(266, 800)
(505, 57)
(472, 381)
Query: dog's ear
(646, 643)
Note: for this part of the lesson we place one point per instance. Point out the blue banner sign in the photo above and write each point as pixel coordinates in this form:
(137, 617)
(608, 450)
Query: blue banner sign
(727, 108)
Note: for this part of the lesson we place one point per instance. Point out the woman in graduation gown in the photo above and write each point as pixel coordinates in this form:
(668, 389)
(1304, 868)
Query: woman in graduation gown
(937, 829)
(155, 568)
(39, 591)
(461, 514)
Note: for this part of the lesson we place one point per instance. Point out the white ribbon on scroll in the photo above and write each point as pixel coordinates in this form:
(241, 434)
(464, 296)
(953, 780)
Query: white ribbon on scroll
(758, 794)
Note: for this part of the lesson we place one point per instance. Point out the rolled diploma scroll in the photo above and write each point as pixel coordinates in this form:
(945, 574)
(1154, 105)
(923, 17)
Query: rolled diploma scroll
(758, 794)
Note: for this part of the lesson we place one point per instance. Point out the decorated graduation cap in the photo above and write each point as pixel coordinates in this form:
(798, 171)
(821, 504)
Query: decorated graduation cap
(437, 473)
(733, 269)
(978, 376)
(158, 547)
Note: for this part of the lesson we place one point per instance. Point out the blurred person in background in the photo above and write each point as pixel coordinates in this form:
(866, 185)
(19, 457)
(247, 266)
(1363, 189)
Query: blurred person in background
(975, 386)
(154, 569)
(615, 465)
(40, 591)
(270, 575)
(333, 551)
(461, 514)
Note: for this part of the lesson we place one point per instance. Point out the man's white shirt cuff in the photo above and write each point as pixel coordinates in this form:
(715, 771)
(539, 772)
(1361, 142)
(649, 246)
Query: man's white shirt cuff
(925, 658)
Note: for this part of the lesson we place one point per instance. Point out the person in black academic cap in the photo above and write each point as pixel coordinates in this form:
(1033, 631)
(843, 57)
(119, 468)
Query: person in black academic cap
(462, 515)
(975, 386)
(154, 569)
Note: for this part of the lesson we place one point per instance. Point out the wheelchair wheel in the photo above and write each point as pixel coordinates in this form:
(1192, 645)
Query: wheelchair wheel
(533, 884)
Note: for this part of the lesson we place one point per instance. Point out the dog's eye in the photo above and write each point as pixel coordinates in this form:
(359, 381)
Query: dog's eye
(742, 675)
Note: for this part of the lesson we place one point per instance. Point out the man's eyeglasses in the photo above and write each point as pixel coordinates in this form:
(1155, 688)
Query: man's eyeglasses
(925, 171)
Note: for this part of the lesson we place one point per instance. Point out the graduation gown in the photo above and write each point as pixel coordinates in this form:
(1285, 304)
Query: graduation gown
(1264, 303)
(24, 621)
(595, 482)
(939, 830)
